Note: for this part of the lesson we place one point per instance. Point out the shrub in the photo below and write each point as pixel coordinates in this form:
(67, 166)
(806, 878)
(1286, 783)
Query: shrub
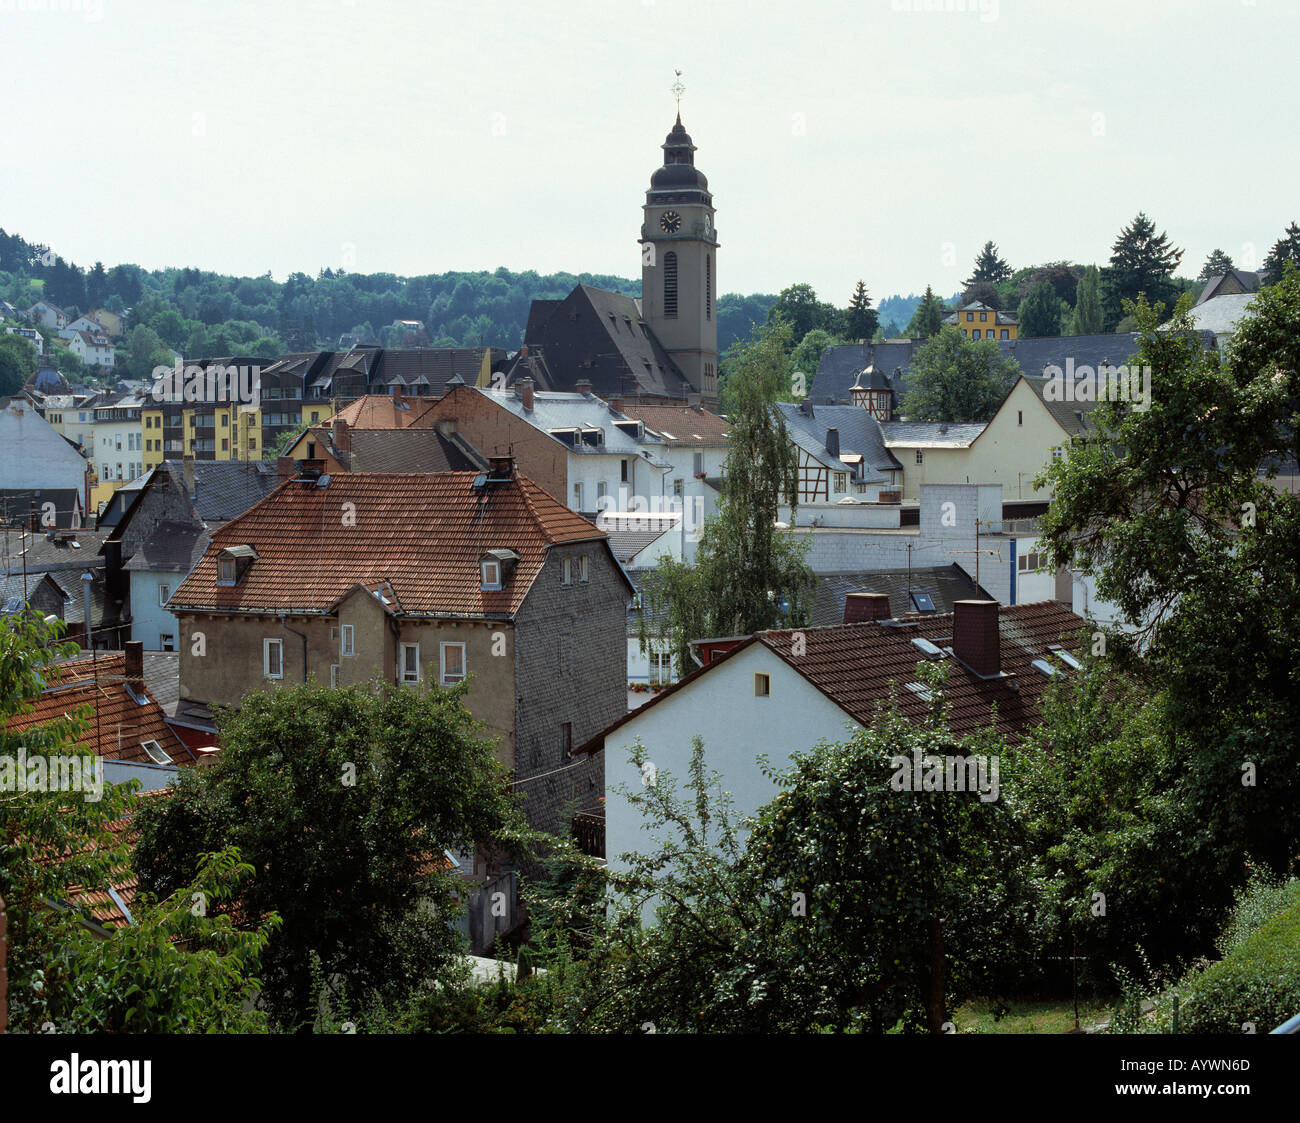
(1259, 979)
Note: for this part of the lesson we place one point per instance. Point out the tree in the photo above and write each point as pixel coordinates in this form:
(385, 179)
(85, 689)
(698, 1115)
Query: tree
(1040, 312)
(1087, 317)
(381, 784)
(862, 318)
(147, 351)
(804, 359)
(799, 306)
(1215, 265)
(17, 363)
(956, 379)
(982, 292)
(1170, 508)
(1285, 249)
(989, 266)
(928, 317)
(1061, 275)
(1141, 261)
(64, 977)
(749, 574)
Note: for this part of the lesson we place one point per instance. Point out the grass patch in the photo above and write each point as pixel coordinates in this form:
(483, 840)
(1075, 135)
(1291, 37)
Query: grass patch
(1029, 1015)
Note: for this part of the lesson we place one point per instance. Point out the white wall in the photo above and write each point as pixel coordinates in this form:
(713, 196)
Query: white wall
(735, 726)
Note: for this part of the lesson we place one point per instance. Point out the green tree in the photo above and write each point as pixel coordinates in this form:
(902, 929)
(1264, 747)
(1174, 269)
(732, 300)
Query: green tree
(1172, 510)
(805, 358)
(982, 292)
(23, 352)
(1087, 317)
(928, 317)
(989, 266)
(1040, 312)
(749, 573)
(146, 351)
(1215, 265)
(61, 972)
(1285, 249)
(1141, 261)
(12, 373)
(862, 318)
(799, 306)
(956, 379)
(381, 784)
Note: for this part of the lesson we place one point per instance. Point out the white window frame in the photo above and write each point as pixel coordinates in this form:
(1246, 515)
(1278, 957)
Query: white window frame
(164, 595)
(584, 569)
(486, 567)
(403, 675)
(566, 571)
(347, 641)
(224, 566)
(577, 497)
(165, 639)
(267, 645)
(443, 677)
(334, 675)
(762, 678)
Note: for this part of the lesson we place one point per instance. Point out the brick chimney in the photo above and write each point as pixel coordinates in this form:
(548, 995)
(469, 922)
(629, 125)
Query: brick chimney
(397, 397)
(285, 467)
(861, 607)
(583, 386)
(833, 442)
(342, 438)
(501, 467)
(616, 403)
(134, 649)
(526, 393)
(975, 638)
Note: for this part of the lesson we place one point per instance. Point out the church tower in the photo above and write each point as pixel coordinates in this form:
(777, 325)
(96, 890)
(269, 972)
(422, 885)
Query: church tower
(679, 262)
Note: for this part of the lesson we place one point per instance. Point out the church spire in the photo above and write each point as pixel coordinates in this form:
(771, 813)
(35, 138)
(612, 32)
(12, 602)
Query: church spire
(677, 90)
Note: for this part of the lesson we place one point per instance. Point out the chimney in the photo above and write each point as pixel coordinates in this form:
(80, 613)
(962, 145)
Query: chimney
(397, 397)
(135, 664)
(285, 467)
(526, 392)
(583, 386)
(501, 467)
(833, 442)
(187, 466)
(694, 400)
(342, 441)
(860, 608)
(975, 638)
(447, 426)
(616, 403)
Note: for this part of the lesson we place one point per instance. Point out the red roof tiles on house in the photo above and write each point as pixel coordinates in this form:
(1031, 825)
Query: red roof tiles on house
(423, 534)
(117, 725)
(681, 425)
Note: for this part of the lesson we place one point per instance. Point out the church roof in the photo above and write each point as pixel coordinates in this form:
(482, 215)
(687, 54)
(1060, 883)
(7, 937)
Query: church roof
(600, 336)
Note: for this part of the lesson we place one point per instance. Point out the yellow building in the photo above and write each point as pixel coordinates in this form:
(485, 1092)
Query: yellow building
(152, 422)
(980, 321)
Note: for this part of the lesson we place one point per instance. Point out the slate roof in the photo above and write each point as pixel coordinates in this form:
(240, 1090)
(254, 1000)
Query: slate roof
(859, 433)
(857, 665)
(681, 425)
(225, 489)
(1234, 280)
(16, 504)
(930, 434)
(406, 450)
(1220, 314)
(561, 410)
(39, 554)
(16, 585)
(600, 336)
(171, 548)
(437, 366)
(423, 535)
(631, 534)
(840, 365)
(944, 584)
(117, 723)
(1073, 417)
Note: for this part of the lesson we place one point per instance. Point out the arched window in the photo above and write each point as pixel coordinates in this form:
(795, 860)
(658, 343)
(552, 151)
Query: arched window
(670, 285)
(708, 287)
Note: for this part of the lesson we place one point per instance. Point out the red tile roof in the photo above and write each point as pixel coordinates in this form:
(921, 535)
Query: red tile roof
(681, 425)
(380, 411)
(855, 664)
(423, 534)
(117, 723)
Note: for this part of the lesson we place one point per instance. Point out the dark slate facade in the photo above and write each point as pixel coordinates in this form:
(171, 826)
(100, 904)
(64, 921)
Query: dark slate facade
(570, 668)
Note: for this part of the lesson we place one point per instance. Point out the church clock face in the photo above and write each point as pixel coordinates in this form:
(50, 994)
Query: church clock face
(670, 222)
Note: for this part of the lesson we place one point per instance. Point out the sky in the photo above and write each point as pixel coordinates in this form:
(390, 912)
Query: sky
(885, 140)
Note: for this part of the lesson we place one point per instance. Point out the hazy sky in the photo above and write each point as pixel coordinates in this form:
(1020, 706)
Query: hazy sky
(842, 138)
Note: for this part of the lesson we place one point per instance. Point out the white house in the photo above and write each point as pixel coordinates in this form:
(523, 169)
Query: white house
(92, 349)
(779, 692)
(48, 315)
(82, 323)
(118, 439)
(32, 336)
(34, 457)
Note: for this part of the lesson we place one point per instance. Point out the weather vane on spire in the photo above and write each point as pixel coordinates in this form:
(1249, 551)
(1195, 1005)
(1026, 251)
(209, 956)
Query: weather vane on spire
(678, 90)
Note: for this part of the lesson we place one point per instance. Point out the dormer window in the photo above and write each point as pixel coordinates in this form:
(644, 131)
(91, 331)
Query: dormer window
(233, 563)
(495, 568)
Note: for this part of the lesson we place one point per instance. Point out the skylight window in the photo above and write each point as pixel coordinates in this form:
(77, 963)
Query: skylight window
(920, 690)
(1066, 658)
(1044, 668)
(923, 602)
(156, 752)
(926, 648)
